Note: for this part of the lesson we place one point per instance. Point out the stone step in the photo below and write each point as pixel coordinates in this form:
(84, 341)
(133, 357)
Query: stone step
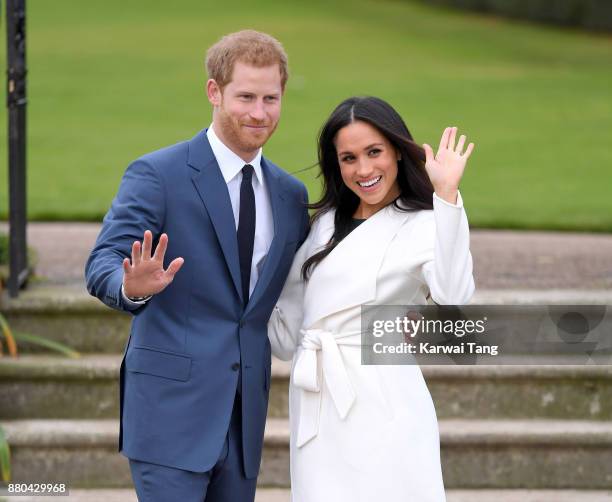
(284, 495)
(68, 314)
(533, 454)
(484, 392)
(41, 386)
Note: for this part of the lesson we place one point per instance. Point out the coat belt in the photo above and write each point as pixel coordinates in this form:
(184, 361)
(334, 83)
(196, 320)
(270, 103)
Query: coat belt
(306, 374)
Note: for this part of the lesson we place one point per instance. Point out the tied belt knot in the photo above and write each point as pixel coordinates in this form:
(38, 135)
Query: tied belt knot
(306, 377)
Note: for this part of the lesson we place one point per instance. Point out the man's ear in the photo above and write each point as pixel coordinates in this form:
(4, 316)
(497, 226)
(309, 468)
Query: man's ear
(213, 92)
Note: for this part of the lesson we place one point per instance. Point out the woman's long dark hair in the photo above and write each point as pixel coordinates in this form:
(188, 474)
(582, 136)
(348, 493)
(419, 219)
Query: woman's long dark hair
(416, 190)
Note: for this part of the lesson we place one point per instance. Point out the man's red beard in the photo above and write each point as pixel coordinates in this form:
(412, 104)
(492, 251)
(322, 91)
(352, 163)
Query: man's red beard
(240, 137)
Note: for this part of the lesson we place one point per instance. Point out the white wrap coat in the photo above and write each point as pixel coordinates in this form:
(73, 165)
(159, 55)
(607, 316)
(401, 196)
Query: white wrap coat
(366, 433)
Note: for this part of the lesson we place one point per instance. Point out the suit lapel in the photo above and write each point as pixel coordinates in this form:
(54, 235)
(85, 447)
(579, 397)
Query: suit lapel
(212, 189)
(277, 200)
(347, 276)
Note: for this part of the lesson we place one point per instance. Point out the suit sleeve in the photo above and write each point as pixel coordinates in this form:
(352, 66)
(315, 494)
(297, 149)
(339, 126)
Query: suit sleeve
(138, 206)
(448, 273)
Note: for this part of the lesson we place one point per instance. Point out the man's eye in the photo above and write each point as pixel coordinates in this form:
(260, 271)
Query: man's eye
(271, 98)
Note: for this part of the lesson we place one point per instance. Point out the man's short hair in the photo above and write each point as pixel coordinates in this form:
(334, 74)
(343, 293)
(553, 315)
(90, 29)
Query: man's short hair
(249, 47)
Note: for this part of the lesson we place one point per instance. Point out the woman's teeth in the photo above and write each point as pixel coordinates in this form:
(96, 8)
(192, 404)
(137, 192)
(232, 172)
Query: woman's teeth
(369, 183)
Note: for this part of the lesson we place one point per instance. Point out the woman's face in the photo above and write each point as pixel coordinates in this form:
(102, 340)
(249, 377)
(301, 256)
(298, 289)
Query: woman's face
(368, 165)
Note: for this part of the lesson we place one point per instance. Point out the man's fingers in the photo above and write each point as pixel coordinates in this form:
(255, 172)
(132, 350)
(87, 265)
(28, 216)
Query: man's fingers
(147, 244)
(127, 268)
(136, 253)
(173, 268)
(160, 250)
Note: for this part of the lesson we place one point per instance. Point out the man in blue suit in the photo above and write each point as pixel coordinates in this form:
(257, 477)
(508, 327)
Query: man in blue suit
(220, 225)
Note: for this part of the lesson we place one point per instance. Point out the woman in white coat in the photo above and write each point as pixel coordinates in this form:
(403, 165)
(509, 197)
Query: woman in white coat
(390, 229)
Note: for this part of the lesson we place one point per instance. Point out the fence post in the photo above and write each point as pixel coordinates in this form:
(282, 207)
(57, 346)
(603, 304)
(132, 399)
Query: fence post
(16, 103)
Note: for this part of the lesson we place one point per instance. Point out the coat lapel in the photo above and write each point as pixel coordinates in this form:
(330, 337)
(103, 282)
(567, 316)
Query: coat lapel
(212, 189)
(277, 200)
(347, 276)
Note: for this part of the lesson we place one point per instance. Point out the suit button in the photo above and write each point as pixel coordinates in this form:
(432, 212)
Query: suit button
(236, 366)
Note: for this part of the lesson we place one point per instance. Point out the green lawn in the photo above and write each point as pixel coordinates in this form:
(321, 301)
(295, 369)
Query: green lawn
(109, 81)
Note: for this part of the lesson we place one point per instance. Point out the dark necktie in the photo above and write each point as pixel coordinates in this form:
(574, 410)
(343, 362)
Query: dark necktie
(246, 229)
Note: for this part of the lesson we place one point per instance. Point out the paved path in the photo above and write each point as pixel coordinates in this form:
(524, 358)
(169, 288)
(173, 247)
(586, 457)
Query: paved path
(502, 259)
(280, 495)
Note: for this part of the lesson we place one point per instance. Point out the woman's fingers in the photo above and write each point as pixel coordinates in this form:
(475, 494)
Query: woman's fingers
(460, 144)
(444, 139)
(469, 150)
(451, 139)
(429, 155)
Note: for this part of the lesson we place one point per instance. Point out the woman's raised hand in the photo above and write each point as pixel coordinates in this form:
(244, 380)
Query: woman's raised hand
(446, 168)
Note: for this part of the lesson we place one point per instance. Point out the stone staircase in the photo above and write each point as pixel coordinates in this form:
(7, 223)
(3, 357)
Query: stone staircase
(508, 433)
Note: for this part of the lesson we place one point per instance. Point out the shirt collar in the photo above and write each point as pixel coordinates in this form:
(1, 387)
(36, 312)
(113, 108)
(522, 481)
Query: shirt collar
(230, 163)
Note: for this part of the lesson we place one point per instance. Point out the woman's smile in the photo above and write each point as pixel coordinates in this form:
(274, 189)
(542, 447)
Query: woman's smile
(370, 185)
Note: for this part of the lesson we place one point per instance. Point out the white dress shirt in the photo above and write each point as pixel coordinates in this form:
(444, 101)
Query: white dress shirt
(231, 168)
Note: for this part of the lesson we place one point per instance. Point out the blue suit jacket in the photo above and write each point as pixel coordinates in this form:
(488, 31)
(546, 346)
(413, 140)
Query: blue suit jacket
(179, 373)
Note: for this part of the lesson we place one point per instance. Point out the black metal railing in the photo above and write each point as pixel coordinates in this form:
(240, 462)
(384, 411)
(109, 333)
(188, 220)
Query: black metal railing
(16, 103)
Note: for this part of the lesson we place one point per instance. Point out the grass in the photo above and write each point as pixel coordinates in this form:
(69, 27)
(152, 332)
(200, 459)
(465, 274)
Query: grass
(109, 81)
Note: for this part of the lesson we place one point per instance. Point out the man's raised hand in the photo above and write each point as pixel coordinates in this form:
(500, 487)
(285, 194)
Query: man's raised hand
(145, 275)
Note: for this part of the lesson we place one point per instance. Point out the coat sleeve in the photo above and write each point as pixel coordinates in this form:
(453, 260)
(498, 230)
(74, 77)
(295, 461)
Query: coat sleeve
(138, 206)
(286, 320)
(449, 272)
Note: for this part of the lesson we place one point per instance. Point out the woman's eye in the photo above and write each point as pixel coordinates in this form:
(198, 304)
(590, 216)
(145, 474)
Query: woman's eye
(374, 152)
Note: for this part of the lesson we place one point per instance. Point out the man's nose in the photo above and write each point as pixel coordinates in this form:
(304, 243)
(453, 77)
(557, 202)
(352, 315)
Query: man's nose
(257, 111)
